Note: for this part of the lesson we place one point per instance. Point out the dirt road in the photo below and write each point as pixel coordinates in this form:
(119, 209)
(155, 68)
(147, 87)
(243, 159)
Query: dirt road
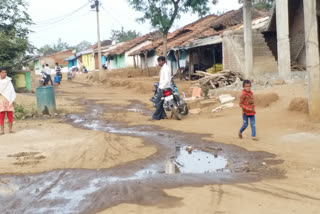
(278, 174)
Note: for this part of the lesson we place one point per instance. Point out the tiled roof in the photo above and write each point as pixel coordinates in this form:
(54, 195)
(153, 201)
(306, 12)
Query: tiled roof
(207, 26)
(132, 43)
(103, 44)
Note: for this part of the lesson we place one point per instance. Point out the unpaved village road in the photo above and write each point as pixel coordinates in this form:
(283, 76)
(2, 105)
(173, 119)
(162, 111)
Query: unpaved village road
(106, 157)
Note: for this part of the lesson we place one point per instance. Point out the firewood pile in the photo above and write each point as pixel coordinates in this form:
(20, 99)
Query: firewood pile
(297, 67)
(218, 80)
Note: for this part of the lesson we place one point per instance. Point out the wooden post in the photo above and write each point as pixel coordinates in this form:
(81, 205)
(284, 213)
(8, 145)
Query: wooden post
(190, 65)
(214, 60)
(146, 62)
(134, 62)
(141, 65)
(177, 56)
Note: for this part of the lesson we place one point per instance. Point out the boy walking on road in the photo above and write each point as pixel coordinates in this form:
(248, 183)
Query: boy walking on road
(248, 108)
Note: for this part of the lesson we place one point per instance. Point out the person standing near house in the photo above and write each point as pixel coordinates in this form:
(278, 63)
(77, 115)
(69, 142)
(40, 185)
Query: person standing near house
(47, 69)
(165, 76)
(7, 96)
(59, 72)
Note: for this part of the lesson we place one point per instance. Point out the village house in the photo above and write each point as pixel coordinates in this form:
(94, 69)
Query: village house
(294, 32)
(51, 60)
(199, 45)
(120, 56)
(88, 57)
(104, 46)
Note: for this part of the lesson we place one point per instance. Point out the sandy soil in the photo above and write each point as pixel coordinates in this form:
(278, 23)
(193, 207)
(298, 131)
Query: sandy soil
(289, 134)
(40, 146)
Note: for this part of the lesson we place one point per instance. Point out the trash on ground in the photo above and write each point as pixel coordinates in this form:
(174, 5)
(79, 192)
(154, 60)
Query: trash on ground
(196, 92)
(221, 107)
(226, 98)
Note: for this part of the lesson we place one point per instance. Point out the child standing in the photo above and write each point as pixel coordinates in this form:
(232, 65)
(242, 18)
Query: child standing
(248, 108)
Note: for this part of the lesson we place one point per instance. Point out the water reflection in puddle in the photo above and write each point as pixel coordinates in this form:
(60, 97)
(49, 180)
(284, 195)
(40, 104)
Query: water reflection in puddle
(197, 161)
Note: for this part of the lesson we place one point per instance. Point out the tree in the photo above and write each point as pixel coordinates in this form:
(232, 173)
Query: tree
(14, 22)
(163, 13)
(46, 50)
(261, 4)
(82, 46)
(54, 48)
(124, 36)
(60, 46)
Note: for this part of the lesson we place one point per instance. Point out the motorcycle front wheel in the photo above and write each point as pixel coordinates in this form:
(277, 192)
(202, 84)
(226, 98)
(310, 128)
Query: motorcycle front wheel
(185, 110)
(176, 112)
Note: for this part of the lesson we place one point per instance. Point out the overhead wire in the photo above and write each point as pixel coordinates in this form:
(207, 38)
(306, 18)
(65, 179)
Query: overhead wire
(45, 23)
(112, 15)
(60, 24)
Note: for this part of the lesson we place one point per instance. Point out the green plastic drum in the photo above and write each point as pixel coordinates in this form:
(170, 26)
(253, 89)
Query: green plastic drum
(46, 100)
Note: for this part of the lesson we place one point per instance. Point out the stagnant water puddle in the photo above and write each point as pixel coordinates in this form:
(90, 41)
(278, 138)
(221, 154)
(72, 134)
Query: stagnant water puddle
(188, 160)
(182, 159)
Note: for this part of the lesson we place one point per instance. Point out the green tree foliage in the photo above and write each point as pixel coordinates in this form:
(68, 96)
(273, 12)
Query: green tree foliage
(261, 4)
(14, 22)
(54, 48)
(46, 50)
(60, 45)
(162, 13)
(124, 36)
(82, 46)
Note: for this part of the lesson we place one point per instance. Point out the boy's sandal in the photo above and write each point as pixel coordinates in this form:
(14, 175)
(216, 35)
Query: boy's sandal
(240, 135)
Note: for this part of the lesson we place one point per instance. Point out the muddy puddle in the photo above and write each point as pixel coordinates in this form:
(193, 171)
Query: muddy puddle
(189, 160)
(182, 159)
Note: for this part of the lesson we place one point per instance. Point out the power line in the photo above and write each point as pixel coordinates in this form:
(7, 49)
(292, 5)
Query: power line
(59, 18)
(112, 15)
(57, 25)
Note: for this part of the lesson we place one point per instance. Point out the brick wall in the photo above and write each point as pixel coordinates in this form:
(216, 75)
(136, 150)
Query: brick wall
(230, 55)
(58, 57)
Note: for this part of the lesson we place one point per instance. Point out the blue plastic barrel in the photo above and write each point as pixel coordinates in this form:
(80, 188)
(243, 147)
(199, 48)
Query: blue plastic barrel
(46, 100)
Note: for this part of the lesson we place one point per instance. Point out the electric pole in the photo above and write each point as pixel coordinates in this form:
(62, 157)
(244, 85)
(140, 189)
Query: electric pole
(96, 5)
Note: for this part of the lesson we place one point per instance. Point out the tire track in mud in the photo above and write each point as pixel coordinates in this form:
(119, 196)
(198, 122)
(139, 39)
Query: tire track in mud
(140, 181)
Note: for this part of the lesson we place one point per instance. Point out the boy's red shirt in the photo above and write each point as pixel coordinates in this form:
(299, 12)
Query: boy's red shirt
(247, 103)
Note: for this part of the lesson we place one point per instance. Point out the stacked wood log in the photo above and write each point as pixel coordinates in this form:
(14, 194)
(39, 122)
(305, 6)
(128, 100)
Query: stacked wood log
(218, 80)
(297, 67)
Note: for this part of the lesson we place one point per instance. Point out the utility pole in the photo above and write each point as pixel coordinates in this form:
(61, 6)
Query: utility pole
(96, 5)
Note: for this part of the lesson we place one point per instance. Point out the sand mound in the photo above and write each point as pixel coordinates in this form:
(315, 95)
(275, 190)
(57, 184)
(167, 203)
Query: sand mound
(299, 104)
(265, 100)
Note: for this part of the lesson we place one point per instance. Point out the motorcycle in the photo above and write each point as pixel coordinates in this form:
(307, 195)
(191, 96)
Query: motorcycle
(172, 100)
(71, 74)
(45, 78)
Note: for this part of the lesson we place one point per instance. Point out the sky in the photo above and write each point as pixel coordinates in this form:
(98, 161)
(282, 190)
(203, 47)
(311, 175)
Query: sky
(73, 21)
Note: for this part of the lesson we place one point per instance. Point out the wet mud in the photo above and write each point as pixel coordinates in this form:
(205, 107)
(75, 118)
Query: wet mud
(196, 162)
